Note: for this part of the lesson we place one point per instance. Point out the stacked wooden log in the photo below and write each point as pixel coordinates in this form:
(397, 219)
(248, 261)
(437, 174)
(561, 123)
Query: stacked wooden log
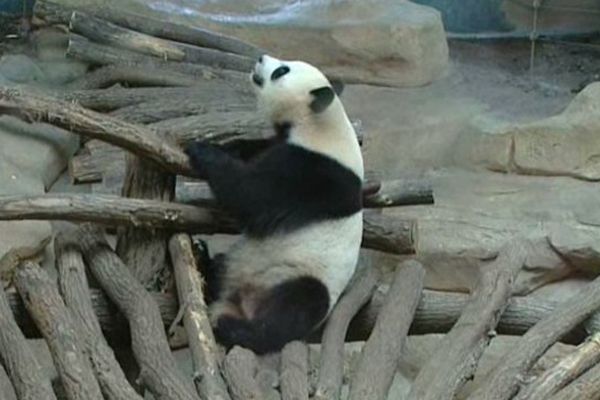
(154, 86)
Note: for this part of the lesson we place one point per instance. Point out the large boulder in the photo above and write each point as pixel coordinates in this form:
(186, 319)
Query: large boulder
(385, 42)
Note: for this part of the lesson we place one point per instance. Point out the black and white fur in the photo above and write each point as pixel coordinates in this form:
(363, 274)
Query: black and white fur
(299, 203)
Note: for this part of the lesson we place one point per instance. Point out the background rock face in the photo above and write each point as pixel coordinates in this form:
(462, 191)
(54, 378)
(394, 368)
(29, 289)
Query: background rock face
(384, 42)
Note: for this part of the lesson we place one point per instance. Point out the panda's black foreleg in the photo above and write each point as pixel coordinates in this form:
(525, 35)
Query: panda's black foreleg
(211, 269)
(290, 311)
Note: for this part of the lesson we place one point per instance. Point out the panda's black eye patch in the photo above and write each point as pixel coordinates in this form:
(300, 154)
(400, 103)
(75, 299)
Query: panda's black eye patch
(279, 72)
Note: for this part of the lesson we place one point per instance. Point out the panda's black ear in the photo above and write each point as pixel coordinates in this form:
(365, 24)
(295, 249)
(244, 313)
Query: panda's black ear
(323, 97)
(337, 85)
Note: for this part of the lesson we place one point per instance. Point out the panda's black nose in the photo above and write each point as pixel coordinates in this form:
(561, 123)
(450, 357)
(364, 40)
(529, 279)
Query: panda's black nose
(260, 59)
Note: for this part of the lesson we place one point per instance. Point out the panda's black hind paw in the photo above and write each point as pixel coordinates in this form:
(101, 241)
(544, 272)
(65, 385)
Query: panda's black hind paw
(201, 252)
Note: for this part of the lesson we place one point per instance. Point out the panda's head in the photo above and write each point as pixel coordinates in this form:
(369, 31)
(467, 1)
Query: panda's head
(292, 90)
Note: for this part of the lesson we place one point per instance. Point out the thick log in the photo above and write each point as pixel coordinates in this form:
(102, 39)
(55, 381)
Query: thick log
(144, 250)
(60, 331)
(380, 355)
(504, 383)
(448, 369)
(169, 108)
(391, 234)
(116, 97)
(57, 14)
(97, 54)
(437, 313)
(294, 371)
(585, 356)
(586, 387)
(159, 371)
(102, 31)
(7, 392)
(75, 291)
(331, 368)
(90, 166)
(133, 75)
(115, 210)
(240, 369)
(29, 380)
(205, 352)
(399, 193)
(142, 141)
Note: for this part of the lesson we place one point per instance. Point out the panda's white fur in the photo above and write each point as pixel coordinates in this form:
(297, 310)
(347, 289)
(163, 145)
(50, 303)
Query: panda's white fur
(324, 248)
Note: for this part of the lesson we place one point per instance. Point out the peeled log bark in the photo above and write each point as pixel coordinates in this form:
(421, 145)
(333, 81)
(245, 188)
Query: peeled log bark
(400, 192)
(60, 331)
(380, 355)
(29, 380)
(240, 368)
(205, 352)
(105, 32)
(75, 291)
(448, 369)
(7, 392)
(586, 387)
(505, 381)
(159, 371)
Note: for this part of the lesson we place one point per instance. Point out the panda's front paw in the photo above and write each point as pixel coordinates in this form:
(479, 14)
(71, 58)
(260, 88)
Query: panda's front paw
(203, 157)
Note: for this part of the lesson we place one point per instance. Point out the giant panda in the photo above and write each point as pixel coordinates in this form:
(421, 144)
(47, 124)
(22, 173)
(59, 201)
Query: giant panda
(300, 206)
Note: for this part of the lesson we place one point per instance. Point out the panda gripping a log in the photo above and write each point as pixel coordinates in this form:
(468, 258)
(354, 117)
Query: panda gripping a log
(299, 204)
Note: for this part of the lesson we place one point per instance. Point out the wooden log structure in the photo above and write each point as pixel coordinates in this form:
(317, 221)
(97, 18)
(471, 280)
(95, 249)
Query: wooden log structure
(57, 14)
(294, 371)
(19, 360)
(380, 356)
(205, 353)
(240, 368)
(444, 374)
(60, 331)
(586, 387)
(108, 33)
(331, 367)
(75, 291)
(158, 369)
(388, 234)
(504, 383)
(584, 357)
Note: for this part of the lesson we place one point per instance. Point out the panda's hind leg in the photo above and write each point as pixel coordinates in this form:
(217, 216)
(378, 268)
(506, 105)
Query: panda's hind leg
(289, 311)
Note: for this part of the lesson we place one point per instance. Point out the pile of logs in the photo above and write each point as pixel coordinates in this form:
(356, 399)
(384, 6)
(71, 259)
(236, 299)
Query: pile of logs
(153, 87)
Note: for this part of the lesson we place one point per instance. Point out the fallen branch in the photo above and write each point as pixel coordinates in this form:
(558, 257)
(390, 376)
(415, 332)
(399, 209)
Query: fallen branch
(448, 369)
(332, 350)
(205, 353)
(586, 387)
(294, 371)
(57, 14)
(60, 331)
(585, 356)
(29, 380)
(76, 294)
(505, 381)
(390, 234)
(381, 353)
(105, 32)
(159, 371)
(240, 368)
